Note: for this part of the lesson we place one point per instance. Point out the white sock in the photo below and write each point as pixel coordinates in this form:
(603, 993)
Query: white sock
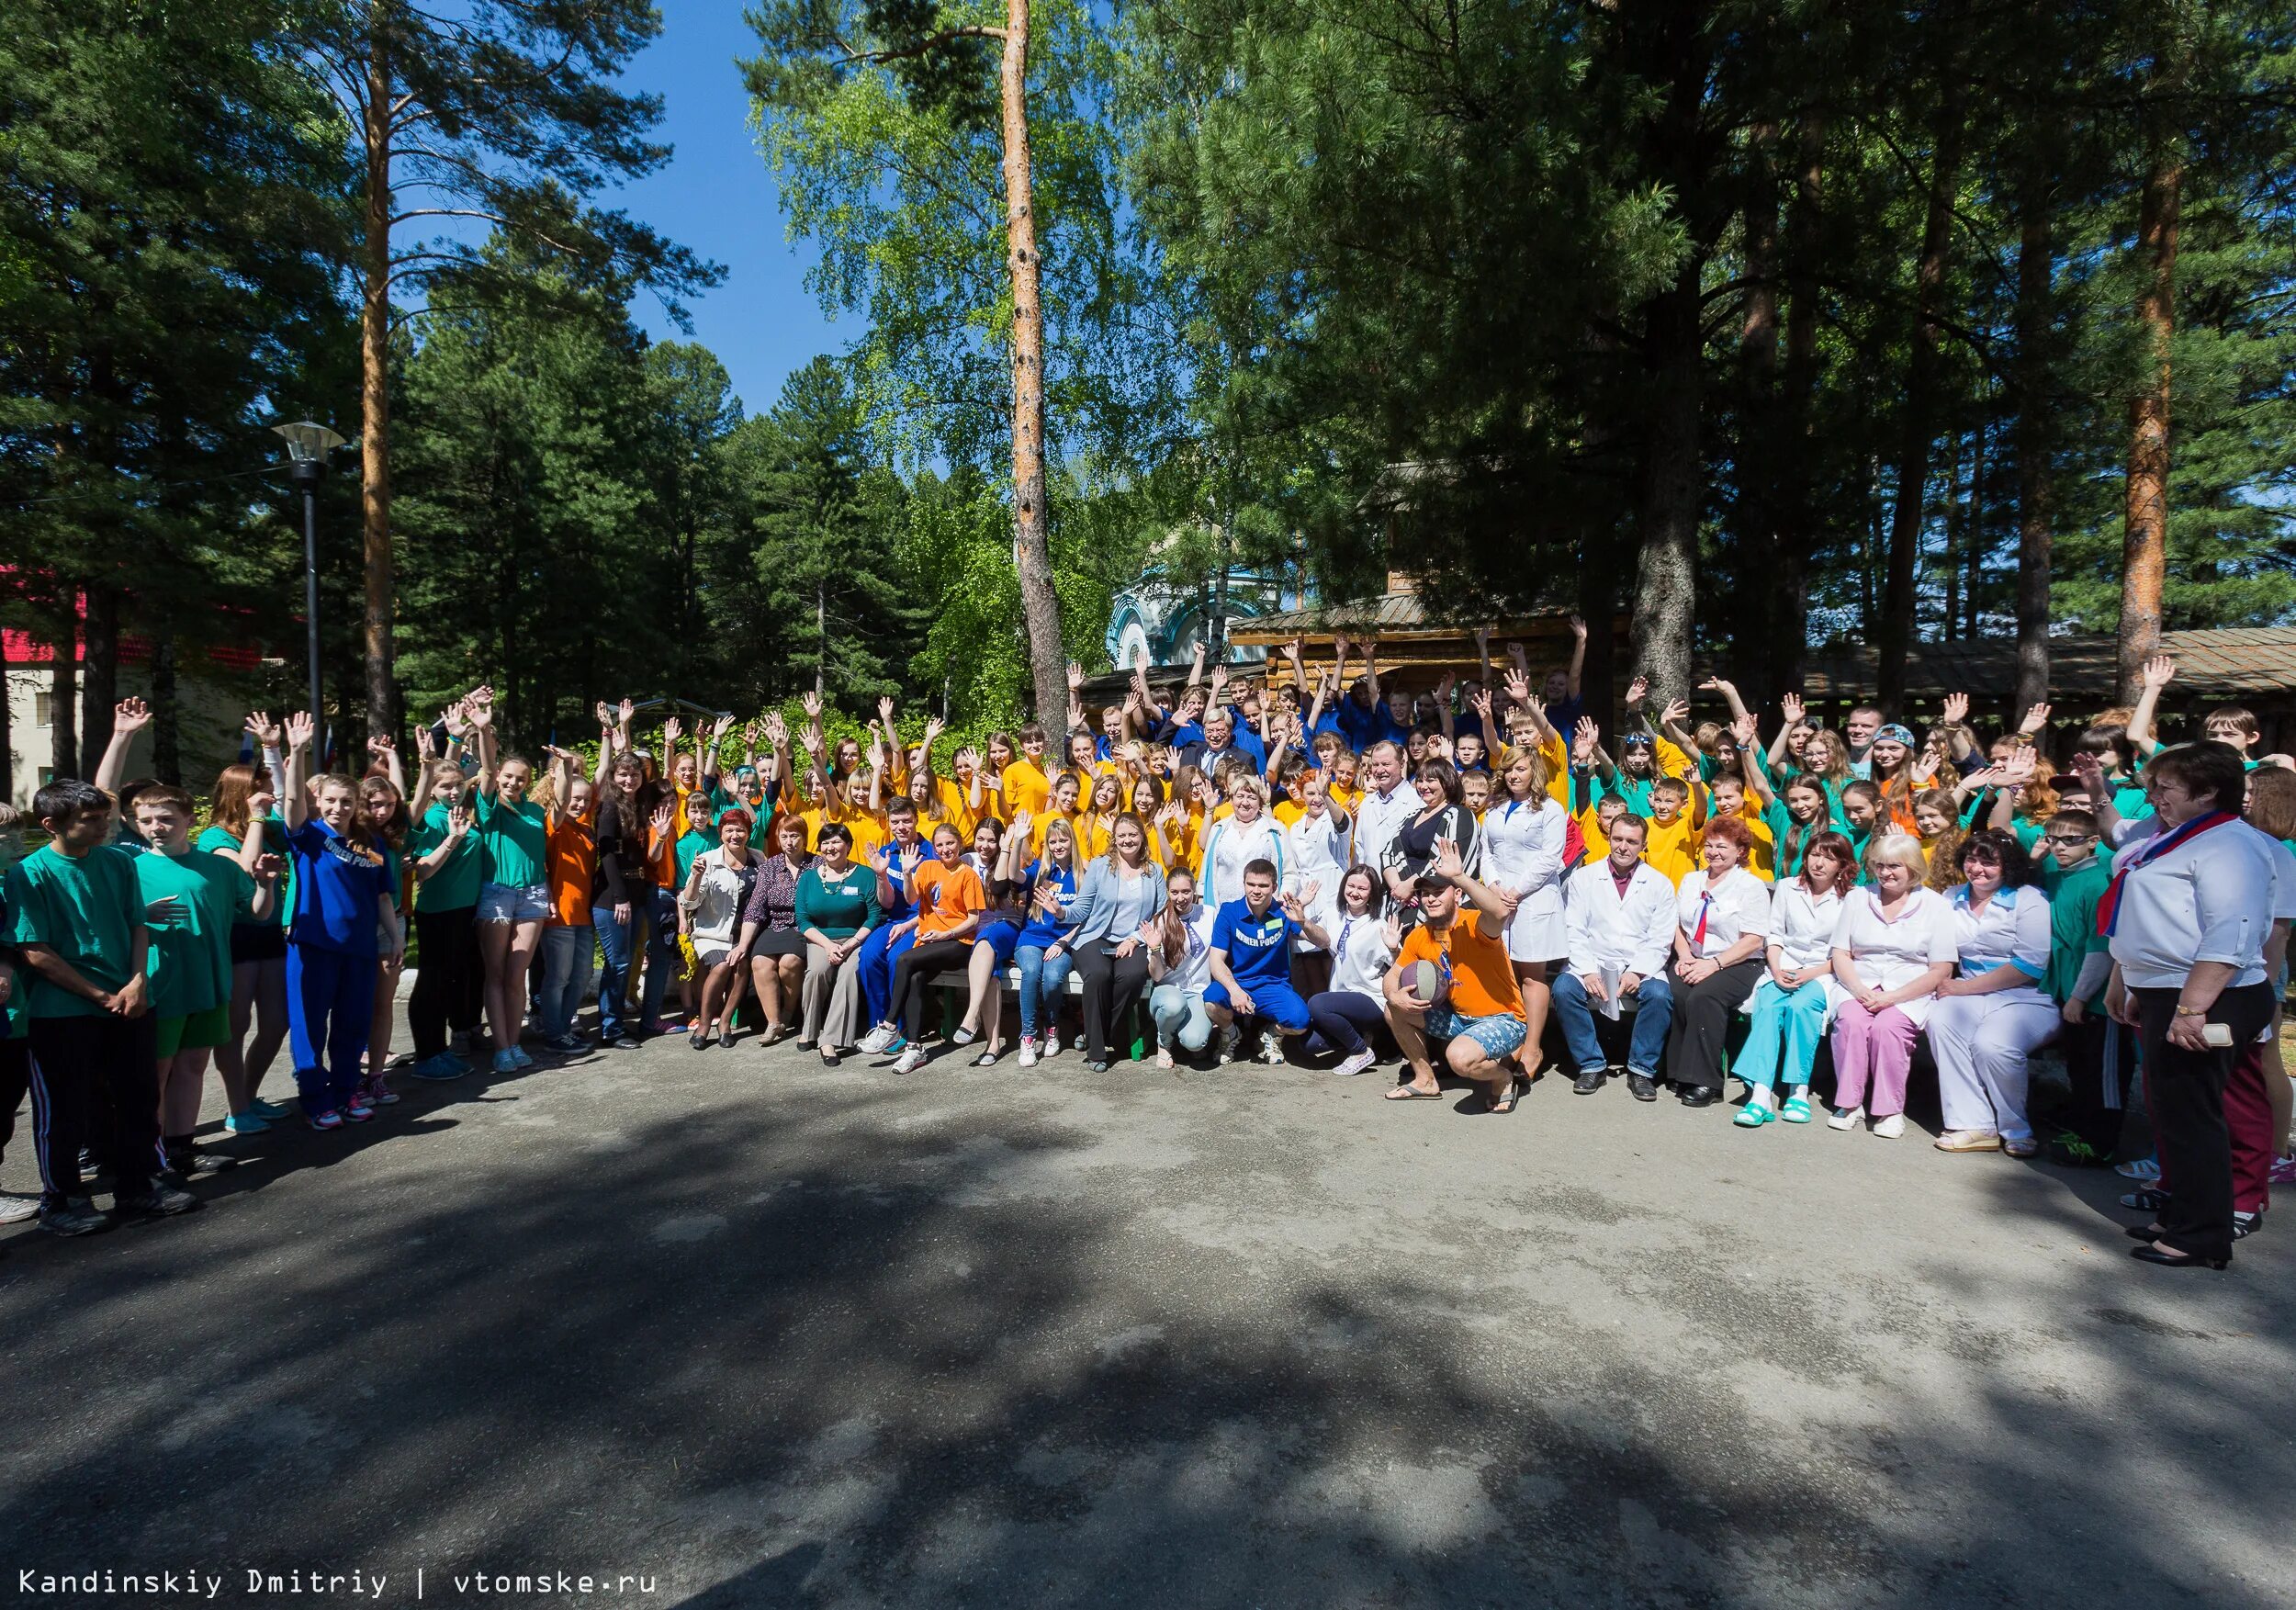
(1760, 1098)
(1798, 1093)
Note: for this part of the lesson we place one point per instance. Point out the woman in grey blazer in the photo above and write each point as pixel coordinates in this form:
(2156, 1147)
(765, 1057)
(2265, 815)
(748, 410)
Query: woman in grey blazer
(1122, 892)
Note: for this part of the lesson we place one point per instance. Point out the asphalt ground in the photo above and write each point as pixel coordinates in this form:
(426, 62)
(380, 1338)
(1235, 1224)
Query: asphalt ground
(745, 1331)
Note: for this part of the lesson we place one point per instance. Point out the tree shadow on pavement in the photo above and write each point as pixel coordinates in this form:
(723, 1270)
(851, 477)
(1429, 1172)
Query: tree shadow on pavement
(826, 1348)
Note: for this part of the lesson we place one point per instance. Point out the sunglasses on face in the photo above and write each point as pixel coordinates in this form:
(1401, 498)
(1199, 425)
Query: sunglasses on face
(2067, 838)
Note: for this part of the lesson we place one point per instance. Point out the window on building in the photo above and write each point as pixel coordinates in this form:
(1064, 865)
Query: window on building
(43, 710)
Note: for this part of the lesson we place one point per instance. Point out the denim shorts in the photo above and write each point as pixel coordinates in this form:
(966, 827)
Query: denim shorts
(511, 903)
(1498, 1034)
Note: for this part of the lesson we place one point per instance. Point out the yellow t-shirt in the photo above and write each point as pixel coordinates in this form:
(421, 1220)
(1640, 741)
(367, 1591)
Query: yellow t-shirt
(1762, 858)
(1025, 788)
(1672, 848)
(1289, 810)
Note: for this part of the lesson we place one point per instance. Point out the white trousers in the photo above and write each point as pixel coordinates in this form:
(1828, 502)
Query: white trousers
(1981, 1043)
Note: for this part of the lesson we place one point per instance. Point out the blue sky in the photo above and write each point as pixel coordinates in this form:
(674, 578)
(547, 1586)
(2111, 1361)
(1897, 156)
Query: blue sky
(717, 198)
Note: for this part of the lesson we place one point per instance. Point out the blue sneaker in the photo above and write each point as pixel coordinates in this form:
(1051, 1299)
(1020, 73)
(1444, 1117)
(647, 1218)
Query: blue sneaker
(446, 1065)
(263, 1109)
(245, 1123)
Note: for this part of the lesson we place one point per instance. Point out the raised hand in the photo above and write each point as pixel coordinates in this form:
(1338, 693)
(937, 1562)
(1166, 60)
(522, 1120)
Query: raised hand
(262, 730)
(1638, 691)
(811, 704)
(1446, 860)
(1583, 738)
(1444, 688)
(662, 818)
(458, 718)
(776, 729)
(1480, 701)
(604, 712)
(300, 730)
(1339, 645)
(719, 728)
(1577, 627)
(381, 744)
(2092, 772)
(624, 711)
(2159, 671)
(1021, 822)
(1789, 705)
(672, 729)
(2036, 719)
(130, 716)
(1955, 709)
(1677, 711)
(1519, 686)
(1743, 730)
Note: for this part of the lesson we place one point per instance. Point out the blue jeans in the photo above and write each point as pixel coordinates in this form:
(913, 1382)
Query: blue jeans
(613, 976)
(1783, 1044)
(565, 959)
(661, 956)
(1181, 1015)
(879, 951)
(331, 1006)
(1044, 980)
(1654, 1010)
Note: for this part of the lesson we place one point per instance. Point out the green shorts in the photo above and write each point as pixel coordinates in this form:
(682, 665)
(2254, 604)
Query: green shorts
(194, 1030)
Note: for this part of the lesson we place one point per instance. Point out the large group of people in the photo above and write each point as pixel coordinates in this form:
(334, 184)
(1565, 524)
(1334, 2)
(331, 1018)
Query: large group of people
(1311, 867)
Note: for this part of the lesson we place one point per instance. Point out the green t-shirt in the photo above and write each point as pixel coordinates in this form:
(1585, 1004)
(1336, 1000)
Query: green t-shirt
(515, 839)
(222, 842)
(454, 886)
(2073, 935)
(689, 846)
(191, 949)
(86, 910)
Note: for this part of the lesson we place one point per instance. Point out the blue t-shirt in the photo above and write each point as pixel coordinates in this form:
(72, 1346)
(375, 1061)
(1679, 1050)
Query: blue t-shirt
(899, 865)
(1042, 931)
(1258, 948)
(337, 884)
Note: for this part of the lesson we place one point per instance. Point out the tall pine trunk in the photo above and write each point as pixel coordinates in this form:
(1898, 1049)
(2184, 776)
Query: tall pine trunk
(64, 687)
(99, 675)
(1797, 521)
(2144, 543)
(1760, 472)
(382, 688)
(1918, 426)
(1672, 491)
(1031, 524)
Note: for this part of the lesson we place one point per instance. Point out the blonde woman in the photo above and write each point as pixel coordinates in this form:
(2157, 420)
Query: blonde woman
(1893, 946)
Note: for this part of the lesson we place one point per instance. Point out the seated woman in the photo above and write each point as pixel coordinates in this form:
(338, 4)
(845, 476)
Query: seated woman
(1179, 966)
(1892, 947)
(770, 935)
(949, 900)
(710, 911)
(1001, 859)
(1722, 928)
(1042, 950)
(1790, 1004)
(1122, 891)
(836, 912)
(1363, 939)
(1993, 1016)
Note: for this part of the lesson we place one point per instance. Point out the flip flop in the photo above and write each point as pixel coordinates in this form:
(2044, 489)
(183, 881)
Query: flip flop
(987, 1059)
(1411, 1093)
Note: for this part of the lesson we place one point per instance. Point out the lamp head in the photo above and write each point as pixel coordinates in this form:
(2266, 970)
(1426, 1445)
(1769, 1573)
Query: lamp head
(309, 443)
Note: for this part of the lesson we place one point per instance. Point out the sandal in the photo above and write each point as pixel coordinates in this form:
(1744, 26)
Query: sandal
(987, 1059)
(2027, 1147)
(1753, 1116)
(2151, 1199)
(1412, 1093)
(1793, 1109)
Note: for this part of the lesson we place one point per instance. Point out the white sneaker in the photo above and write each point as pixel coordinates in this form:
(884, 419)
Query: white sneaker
(877, 1039)
(1890, 1127)
(1163, 1060)
(1356, 1063)
(1845, 1118)
(1052, 1045)
(1228, 1038)
(911, 1059)
(16, 1206)
(1271, 1051)
(1028, 1054)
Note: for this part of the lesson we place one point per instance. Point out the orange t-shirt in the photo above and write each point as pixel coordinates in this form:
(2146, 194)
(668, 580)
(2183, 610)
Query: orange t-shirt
(570, 856)
(946, 894)
(1481, 978)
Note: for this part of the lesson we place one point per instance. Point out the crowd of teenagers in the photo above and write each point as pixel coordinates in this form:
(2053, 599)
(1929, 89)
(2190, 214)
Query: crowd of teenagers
(1313, 868)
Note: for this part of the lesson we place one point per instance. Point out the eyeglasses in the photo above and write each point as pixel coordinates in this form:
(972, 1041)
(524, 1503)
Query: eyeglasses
(2067, 837)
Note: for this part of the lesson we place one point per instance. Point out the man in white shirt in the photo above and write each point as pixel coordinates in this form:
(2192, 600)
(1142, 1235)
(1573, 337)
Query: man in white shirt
(1387, 804)
(1619, 918)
